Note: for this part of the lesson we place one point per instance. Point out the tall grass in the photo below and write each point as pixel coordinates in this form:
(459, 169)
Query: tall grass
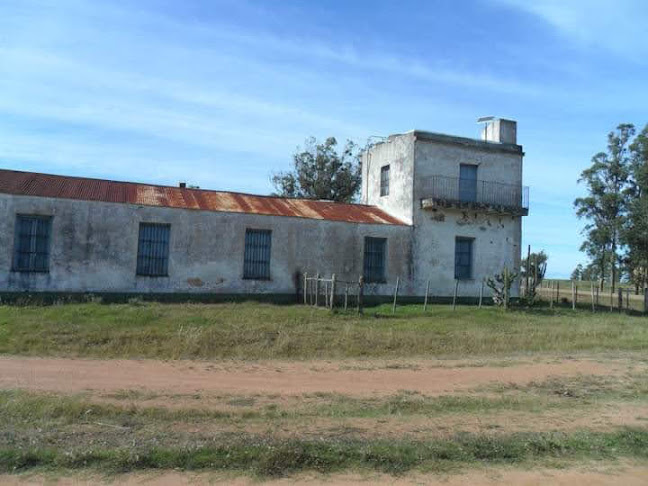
(273, 457)
(264, 331)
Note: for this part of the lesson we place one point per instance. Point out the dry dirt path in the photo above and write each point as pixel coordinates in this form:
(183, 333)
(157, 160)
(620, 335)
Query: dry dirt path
(629, 475)
(275, 377)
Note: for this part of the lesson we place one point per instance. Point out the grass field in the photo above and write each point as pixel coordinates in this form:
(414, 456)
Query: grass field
(525, 388)
(264, 331)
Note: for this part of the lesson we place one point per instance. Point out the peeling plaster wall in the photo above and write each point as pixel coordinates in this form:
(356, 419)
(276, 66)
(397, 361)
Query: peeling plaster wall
(497, 237)
(94, 249)
(398, 153)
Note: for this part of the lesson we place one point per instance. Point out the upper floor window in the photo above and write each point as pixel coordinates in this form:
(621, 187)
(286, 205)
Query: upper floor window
(463, 258)
(256, 262)
(375, 252)
(384, 180)
(153, 250)
(32, 243)
(468, 183)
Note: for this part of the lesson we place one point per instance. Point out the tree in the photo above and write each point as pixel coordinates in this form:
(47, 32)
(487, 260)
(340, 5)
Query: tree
(577, 274)
(320, 172)
(605, 206)
(635, 234)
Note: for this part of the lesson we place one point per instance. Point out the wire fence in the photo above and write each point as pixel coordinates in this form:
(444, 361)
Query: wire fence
(331, 292)
(589, 295)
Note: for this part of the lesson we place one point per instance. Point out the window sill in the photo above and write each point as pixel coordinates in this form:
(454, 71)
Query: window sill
(263, 279)
(152, 276)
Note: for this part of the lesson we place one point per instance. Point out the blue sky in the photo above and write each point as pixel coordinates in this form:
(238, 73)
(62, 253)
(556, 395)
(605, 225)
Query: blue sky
(220, 93)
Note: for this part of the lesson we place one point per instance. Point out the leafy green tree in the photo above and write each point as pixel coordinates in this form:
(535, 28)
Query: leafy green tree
(320, 172)
(636, 230)
(591, 273)
(577, 274)
(605, 206)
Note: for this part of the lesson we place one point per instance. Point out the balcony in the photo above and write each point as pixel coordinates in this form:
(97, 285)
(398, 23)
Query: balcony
(452, 192)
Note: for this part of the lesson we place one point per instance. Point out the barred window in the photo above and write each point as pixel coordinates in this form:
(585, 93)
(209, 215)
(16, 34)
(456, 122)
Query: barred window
(32, 243)
(384, 180)
(256, 262)
(374, 259)
(463, 258)
(153, 250)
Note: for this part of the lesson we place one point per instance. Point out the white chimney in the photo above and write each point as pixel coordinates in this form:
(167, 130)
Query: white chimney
(498, 130)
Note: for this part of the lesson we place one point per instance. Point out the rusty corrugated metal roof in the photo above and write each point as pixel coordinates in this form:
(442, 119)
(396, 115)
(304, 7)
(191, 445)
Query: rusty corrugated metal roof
(64, 187)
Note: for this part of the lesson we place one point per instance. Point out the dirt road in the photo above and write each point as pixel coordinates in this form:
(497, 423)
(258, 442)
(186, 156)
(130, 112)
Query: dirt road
(628, 475)
(429, 377)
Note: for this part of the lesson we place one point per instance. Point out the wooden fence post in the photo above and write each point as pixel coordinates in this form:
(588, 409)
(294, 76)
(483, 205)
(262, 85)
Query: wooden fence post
(346, 296)
(506, 288)
(481, 293)
(558, 293)
(573, 296)
(627, 299)
(317, 288)
(551, 295)
(360, 293)
(535, 275)
(305, 288)
(454, 297)
(528, 271)
(395, 295)
(646, 299)
(593, 305)
(332, 291)
(427, 292)
(620, 299)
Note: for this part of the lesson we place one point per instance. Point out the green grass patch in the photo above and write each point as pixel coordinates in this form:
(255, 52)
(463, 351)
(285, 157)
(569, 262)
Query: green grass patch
(269, 457)
(23, 410)
(632, 386)
(264, 331)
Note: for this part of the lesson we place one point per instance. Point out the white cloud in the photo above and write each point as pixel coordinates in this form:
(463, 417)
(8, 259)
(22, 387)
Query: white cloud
(615, 25)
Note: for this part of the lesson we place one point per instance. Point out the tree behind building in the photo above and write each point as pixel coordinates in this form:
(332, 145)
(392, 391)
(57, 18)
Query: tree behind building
(320, 172)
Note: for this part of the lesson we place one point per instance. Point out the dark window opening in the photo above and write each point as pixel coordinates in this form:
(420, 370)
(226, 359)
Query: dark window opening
(463, 258)
(32, 244)
(384, 181)
(467, 183)
(256, 264)
(375, 250)
(153, 250)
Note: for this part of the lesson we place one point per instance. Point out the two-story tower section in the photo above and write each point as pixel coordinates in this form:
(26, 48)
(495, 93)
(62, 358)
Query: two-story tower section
(463, 197)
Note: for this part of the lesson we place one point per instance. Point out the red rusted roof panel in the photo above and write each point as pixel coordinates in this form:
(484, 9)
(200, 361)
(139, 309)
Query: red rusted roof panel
(44, 185)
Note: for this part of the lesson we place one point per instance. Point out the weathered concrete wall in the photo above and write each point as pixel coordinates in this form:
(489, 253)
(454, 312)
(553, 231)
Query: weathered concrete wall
(497, 238)
(398, 153)
(444, 159)
(94, 249)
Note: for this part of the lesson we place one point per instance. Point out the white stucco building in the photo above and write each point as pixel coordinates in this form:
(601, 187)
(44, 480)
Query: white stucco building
(433, 207)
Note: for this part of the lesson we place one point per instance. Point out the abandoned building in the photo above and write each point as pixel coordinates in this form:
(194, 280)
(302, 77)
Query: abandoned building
(435, 209)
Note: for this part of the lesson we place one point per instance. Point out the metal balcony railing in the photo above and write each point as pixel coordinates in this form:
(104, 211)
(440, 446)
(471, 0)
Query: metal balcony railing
(473, 193)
